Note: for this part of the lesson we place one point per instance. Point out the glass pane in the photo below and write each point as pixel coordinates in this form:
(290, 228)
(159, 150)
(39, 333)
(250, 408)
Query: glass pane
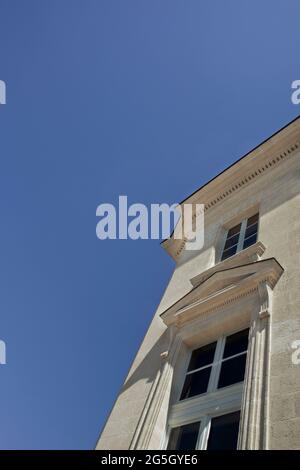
(236, 343)
(251, 230)
(250, 241)
(232, 371)
(231, 241)
(196, 383)
(184, 437)
(252, 220)
(224, 432)
(202, 356)
(230, 252)
(234, 230)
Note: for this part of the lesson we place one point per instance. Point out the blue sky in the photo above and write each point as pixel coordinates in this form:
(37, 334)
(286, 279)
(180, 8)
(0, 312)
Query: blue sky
(144, 98)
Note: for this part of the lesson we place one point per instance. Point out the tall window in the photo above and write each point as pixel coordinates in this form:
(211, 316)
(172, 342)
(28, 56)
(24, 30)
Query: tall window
(241, 236)
(211, 368)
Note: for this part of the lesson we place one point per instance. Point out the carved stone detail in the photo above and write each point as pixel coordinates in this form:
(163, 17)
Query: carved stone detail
(255, 408)
(158, 397)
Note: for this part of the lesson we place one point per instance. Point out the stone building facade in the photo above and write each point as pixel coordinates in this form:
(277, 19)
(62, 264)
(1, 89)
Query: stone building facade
(218, 366)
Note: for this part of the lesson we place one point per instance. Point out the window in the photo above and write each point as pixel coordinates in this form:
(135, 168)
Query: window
(216, 365)
(241, 236)
(213, 371)
(214, 433)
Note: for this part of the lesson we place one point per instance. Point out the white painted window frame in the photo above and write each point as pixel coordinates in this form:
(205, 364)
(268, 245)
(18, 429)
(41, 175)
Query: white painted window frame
(241, 236)
(205, 424)
(206, 415)
(215, 365)
(204, 430)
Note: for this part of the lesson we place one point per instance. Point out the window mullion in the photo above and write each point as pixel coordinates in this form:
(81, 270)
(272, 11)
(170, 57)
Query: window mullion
(225, 235)
(242, 235)
(203, 433)
(215, 371)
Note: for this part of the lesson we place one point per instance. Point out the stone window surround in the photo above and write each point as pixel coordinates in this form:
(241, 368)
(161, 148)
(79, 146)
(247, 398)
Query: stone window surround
(247, 396)
(252, 310)
(215, 402)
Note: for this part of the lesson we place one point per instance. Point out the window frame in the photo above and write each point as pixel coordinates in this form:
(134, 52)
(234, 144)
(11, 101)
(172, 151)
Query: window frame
(204, 428)
(242, 232)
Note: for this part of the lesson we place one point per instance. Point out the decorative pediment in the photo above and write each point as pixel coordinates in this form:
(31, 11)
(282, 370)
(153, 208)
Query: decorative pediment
(221, 288)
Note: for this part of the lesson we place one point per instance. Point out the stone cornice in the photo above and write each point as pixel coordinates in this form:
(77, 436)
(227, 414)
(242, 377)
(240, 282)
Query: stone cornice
(252, 166)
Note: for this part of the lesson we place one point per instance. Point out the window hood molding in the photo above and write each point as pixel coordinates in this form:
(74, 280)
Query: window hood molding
(222, 288)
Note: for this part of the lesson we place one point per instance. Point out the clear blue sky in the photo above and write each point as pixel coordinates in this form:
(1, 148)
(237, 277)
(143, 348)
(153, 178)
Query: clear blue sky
(106, 98)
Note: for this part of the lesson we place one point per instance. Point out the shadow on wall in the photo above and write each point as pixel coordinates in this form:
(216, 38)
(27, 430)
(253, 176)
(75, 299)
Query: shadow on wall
(149, 366)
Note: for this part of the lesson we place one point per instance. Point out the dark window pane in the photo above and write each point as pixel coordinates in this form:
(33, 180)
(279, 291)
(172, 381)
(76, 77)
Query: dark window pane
(234, 230)
(232, 371)
(236, 343)
(252, 230)
(224, 432)
(184, 437)
(202, 356)
(231, 241)
(230, 252)
(250, 241)
(196, 383)
(252, 220)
